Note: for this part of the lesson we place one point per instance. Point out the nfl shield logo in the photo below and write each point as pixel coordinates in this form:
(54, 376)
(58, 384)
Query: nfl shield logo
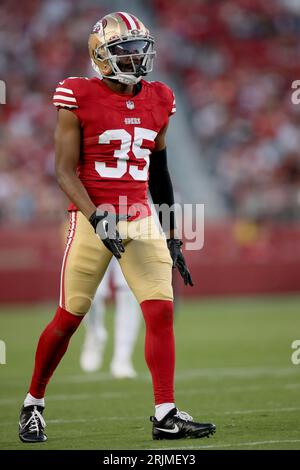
(130, 104)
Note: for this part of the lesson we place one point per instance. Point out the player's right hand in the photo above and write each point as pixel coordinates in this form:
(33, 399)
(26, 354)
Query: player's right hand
(105, 226)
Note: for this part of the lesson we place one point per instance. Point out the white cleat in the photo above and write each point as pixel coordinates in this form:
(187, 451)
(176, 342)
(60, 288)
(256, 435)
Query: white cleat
(122, 371)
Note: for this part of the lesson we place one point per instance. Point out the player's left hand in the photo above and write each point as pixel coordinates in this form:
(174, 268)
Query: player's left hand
(105, 226)
(174, 246)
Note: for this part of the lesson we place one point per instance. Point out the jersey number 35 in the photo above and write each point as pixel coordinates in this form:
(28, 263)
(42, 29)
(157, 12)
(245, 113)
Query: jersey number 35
(127, 143)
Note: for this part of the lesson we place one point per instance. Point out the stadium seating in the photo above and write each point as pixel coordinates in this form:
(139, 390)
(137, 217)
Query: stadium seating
(235, 61)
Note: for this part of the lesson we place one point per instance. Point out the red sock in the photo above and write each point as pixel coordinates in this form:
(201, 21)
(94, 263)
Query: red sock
(160, 348)
(52, 346)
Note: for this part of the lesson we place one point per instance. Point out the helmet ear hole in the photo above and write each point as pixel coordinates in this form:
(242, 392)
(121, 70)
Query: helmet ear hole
(99, 53)
(99, 58)
(107, 70)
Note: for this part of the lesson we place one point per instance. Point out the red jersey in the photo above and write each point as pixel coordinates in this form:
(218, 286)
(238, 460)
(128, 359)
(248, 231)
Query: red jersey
(118, 136)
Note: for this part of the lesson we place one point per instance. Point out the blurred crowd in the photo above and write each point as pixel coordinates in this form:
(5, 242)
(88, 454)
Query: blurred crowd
(42, 42)
(235, 61)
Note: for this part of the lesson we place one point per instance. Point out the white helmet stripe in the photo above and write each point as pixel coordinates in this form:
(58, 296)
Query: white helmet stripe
(129, 19)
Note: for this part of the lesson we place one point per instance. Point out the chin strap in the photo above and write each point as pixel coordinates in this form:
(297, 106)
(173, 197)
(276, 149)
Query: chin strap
(125, 79)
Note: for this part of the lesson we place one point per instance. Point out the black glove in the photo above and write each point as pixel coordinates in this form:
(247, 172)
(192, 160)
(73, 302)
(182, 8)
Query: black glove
(174, 246)
(105, 226)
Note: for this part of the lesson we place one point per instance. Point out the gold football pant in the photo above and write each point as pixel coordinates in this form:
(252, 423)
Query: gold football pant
(146, 263)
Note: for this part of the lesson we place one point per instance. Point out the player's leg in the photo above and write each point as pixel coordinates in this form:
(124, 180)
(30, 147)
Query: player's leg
(147, 267)
(127, 322)
(96, 334)
(84, 263)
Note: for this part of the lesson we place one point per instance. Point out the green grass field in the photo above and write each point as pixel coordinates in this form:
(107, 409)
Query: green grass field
(233, 368)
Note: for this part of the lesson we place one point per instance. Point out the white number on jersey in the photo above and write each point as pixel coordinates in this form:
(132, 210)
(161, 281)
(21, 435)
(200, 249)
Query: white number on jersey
(122, 153)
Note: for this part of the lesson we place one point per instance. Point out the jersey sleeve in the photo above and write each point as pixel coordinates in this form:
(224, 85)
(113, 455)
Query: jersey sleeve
(166, 97)
(64, 95)
(169, 100)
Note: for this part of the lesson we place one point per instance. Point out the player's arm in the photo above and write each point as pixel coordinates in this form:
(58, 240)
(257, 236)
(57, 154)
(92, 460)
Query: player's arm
(160, 184)
(161, 190)
(67, 154)
(67, 150)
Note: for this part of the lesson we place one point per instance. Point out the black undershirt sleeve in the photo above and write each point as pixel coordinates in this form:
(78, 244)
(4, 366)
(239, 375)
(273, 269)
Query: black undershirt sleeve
(161, 188)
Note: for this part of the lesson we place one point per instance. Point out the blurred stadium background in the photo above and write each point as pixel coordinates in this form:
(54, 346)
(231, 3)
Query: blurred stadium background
(233, 145)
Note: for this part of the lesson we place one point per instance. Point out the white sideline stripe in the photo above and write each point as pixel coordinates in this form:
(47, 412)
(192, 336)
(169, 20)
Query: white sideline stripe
(208, 391)
(244, 389)
(106, 376)
(140, 418)
(82, 420)
(57, 103)
(291, 386)
(283, 410)
(130, 20)
(238, 444)
(195, 391)
(104, 418)
(64, 98)
(261, 410)
(189, 374)
(83, 396)
(64, 90)
(240, 372)
(70, 239)
(113, 394)
(78, 396)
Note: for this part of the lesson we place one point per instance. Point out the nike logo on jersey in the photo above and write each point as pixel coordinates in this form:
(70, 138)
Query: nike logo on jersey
(132, 120)
(172, 431)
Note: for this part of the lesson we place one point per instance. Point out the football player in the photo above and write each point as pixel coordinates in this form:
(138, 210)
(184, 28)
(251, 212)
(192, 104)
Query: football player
(109, 129)
(126, 327)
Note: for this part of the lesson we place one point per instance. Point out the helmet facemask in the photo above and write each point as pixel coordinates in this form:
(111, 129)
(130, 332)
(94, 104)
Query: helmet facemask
(128, 59)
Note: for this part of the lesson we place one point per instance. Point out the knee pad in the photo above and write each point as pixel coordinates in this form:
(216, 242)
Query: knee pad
(79, 304)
